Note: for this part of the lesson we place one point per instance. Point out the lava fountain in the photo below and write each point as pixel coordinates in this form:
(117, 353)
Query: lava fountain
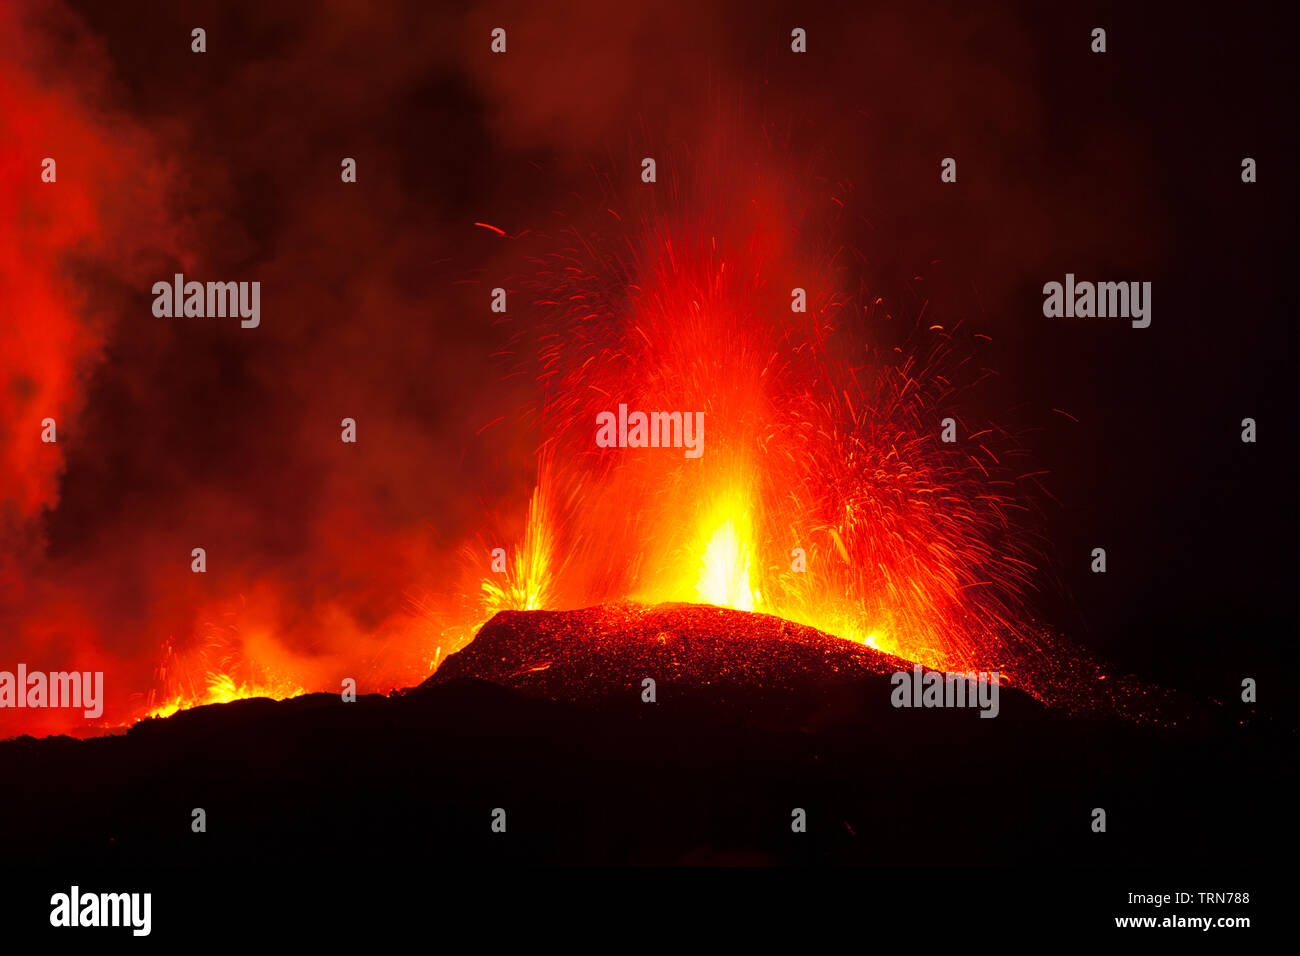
(825, 493)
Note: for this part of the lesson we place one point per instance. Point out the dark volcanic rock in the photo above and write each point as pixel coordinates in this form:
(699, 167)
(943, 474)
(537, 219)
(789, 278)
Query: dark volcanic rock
(542, 715)
(761, 668)
(574, 655)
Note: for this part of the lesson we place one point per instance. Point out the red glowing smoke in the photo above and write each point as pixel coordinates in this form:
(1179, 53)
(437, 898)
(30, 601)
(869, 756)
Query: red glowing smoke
(368, 561)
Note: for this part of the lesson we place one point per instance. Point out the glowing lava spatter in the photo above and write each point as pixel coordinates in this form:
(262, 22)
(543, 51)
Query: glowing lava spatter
(528, 582)
(217, 671)
(824, 494)
(725, 573)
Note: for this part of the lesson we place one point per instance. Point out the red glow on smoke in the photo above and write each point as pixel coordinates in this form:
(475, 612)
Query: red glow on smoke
(821, 428)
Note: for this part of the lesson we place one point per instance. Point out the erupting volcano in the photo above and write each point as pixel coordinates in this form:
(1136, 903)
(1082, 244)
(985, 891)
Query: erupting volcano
(443, 439)
(833, 476)
(822, 488)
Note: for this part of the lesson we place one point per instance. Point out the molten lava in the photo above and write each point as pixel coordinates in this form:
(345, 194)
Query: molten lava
(724, 573)
(217, 671)
(528, 583)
